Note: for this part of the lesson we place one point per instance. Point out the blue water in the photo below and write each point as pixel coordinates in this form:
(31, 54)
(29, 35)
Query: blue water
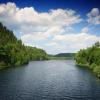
(49, 80)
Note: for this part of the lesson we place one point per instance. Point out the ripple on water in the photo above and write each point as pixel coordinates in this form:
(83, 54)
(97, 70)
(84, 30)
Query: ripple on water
(49, 80)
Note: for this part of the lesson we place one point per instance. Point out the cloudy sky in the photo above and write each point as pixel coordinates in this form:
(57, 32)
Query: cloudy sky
(54, 25)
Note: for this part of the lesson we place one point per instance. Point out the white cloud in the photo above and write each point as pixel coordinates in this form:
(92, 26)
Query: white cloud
(35, 37)
(94, 16)
(48, 30)
(65, 42)
(80, 37)
(74, 42)
(21, 18)
(85, 30)
(52, 44)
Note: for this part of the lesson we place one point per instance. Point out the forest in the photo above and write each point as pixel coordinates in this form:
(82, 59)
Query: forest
(90, 58)
(14, 53)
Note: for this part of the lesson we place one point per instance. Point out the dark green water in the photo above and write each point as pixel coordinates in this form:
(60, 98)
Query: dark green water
(49, 80)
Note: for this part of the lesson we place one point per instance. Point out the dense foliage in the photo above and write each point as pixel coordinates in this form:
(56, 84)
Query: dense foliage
(36, 53)
(90, 57)
(13, 52)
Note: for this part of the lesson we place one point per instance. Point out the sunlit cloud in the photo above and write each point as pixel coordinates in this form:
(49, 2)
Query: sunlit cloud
(94, 16)
(52, 30)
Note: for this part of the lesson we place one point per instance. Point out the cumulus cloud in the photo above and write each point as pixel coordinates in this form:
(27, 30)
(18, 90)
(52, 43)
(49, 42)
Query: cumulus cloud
(94, 16)
(73, 42)
(49, 30)
(66, 42)
(21, 18)
(82, 37)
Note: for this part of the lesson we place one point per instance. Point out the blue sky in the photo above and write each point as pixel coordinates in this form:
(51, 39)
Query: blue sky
(45, 5)
(54, 25)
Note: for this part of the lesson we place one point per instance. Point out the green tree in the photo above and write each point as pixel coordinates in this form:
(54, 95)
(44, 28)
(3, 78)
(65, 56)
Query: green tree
(90, 57)
(13, 52)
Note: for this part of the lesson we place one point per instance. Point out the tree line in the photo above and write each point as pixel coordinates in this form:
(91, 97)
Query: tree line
(90, 58)
(13, 52)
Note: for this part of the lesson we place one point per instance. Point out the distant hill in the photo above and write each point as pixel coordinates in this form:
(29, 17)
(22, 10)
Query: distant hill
(65, 55)
(62, 56)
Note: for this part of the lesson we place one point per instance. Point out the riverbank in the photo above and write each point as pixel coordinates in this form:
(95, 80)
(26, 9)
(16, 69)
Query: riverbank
(90, 58)
(93, 68)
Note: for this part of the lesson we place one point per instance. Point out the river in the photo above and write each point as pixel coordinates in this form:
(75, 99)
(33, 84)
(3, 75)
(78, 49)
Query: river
(49, 80)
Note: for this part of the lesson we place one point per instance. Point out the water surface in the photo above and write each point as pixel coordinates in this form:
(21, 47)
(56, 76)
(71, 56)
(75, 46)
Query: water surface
(49, 80)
